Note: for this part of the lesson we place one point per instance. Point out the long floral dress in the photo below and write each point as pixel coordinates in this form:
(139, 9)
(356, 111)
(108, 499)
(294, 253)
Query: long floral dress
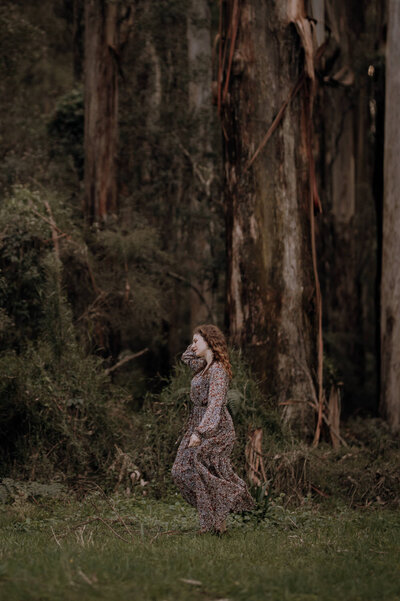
(204, 473)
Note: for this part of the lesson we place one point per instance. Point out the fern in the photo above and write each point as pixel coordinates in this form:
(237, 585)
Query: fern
(235, 401)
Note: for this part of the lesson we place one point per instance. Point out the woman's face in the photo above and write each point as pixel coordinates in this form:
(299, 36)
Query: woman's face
(199, 345)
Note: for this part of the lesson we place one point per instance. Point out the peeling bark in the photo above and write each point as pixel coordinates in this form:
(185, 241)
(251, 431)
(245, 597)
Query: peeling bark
(270, 294)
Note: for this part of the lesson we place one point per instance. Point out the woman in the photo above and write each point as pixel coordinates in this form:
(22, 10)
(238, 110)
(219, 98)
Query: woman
(202, 469)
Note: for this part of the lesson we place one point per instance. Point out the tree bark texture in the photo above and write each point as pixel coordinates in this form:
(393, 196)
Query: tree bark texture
(77, 37)
(106, 24)
(201, 116)
(346, 118)
(390, 284)
(271, 288)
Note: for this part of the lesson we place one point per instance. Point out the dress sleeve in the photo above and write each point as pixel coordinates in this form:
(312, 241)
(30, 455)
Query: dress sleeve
(217, 395)
(190, 358)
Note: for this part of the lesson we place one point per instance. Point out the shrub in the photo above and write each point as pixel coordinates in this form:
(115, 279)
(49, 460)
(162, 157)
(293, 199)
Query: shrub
(59, 413)
(162, 421)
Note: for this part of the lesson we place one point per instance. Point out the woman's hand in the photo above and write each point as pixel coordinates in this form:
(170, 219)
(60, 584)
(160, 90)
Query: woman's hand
(194, 440)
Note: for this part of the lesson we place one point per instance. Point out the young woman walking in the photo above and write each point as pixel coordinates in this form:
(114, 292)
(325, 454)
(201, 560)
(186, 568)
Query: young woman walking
(202, 469)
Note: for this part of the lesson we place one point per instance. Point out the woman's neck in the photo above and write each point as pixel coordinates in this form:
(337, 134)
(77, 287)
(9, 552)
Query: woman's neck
(208, 357)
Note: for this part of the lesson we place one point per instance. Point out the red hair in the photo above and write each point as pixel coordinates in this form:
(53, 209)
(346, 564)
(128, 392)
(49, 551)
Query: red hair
(217, 343)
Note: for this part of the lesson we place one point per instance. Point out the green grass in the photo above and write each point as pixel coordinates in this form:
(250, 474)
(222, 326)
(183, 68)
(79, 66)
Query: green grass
(304, 554)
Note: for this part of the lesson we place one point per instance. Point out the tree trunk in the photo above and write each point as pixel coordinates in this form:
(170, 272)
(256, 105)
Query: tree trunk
(390, 285)
(77, 36)
(103, 24)
(348, 139)
(271, 288)
(201, 117)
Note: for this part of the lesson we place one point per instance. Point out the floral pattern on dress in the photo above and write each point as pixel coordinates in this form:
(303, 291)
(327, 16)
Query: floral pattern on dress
(204, 474)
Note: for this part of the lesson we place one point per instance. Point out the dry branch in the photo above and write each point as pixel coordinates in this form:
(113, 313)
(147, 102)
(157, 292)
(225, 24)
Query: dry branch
(234, 25)
(112, 529)
(334, 415)
(256, 471)
(55, 538)
(277, 120)
(315, 404)
(54, 230)
(166, 533)
(118, 515)
(61, 234)
(48, 221)
(198, 171)
(180, 278)
(125, 360)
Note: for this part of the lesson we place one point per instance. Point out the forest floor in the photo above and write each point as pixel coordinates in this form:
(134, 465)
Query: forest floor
(142, 549)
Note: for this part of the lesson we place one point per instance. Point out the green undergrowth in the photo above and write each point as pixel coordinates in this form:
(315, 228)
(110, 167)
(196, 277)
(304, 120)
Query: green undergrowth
(159, 426)
(64, 421)
(144, 549)
(362, 472)
(61, 416)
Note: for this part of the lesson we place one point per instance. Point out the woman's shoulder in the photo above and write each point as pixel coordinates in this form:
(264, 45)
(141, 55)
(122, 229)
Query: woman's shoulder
(217, 367)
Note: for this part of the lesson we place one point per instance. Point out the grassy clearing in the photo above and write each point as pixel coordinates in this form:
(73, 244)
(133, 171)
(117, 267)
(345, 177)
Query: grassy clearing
(62, 551)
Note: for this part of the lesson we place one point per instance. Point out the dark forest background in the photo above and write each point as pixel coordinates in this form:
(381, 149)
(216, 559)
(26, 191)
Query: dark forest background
(143, 192)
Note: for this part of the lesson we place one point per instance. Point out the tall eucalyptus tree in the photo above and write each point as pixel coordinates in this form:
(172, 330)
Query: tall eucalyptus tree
(272, 302)
(202, 118)
(348, 117)
(107, 25)
(390, 283)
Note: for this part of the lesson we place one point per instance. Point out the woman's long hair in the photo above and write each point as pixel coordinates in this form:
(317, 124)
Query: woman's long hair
(217, 343)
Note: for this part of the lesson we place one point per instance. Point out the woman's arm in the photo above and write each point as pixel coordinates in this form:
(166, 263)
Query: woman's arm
(190, 358)
(217, 392)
